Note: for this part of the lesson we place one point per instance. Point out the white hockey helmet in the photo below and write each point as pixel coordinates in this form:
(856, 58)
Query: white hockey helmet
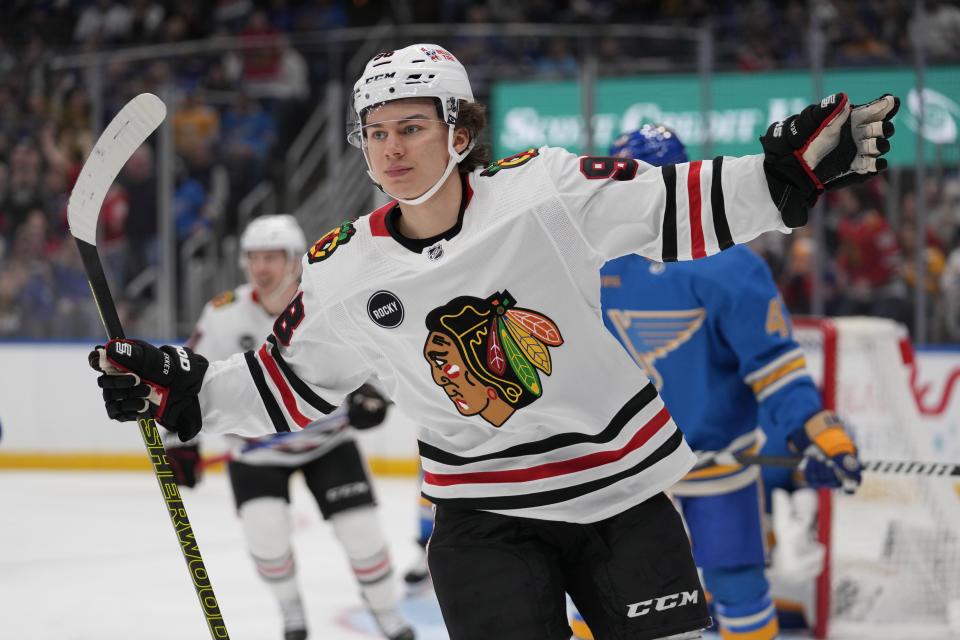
(280, 231)
(416, 71)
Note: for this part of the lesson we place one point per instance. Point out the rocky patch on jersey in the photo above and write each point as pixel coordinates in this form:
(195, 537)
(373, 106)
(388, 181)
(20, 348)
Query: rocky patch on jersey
(223, 299)
(485, 354)
(385, 309)
(510, 163)
(331, 240)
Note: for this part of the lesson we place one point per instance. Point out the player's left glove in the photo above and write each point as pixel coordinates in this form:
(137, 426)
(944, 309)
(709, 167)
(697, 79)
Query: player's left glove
(826, 146)
(829, 455)
(366, 408)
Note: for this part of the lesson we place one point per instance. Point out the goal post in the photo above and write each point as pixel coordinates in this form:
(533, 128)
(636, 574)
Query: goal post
(892, 567)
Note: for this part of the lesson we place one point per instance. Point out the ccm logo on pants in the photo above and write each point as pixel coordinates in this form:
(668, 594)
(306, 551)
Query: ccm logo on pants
(663, 603)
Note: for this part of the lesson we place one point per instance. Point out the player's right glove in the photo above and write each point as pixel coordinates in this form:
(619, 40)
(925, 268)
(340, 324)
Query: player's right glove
(140, 379)
(826, 146)
(829, 455)
(185, 462)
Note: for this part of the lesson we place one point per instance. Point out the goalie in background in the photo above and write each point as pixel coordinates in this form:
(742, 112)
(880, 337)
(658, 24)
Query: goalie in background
(326, 454)
(715, 337)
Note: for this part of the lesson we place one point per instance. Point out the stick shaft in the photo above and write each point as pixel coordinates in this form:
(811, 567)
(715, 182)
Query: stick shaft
(901, 467)
(157, 455)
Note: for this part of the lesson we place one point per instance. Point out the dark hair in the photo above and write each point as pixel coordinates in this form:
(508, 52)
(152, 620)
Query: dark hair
(473, 117)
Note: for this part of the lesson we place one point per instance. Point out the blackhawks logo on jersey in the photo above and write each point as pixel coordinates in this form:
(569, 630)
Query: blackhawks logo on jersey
(486, 354)
(325, 246)
(511, 162)
(223, 299)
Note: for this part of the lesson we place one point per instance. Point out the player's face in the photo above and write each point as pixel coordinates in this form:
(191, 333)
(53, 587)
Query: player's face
(267, 269)
(406, 145)
(450, 372)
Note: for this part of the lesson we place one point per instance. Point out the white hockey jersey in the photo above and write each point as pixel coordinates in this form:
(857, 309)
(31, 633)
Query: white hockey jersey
(234, 322)
(490, 335)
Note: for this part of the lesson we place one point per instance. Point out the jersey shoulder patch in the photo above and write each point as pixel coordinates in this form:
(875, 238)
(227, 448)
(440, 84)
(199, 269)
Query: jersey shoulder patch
(223, 299)
(511, 162)
(331, 241)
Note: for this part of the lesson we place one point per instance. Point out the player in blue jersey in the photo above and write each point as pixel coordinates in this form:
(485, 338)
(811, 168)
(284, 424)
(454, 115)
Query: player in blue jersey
(715, 338)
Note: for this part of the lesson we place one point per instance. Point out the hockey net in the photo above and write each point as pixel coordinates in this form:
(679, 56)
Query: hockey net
(893, 559)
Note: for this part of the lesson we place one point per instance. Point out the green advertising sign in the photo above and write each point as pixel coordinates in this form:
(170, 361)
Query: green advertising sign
(741, 107)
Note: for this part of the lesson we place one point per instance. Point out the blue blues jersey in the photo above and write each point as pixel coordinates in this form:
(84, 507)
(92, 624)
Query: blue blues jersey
(714, 337)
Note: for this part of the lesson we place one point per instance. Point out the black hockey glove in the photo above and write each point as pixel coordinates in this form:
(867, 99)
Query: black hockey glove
(830, 457)
(366, 408)
(185, 464)
(826, 146)
(139, 378)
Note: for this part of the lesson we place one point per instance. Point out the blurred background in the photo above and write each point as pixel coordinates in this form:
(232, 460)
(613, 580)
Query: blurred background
(256, 94)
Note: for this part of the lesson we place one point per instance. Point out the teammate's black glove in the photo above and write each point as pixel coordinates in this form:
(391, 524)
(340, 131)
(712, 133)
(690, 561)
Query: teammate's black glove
(829, 455)
(184, 461)
(142, 379)
(366, 407)
(826, 146)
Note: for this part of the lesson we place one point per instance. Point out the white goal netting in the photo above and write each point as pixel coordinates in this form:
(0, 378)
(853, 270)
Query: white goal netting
(894, 546)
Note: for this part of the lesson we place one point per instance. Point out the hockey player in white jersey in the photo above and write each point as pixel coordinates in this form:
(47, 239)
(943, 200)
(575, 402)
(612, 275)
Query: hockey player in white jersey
(325, 452)
(475, 298)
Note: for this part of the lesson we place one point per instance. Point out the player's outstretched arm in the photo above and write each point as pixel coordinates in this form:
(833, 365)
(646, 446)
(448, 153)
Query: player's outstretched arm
(829, 455)
(828, 145)
(140, 378)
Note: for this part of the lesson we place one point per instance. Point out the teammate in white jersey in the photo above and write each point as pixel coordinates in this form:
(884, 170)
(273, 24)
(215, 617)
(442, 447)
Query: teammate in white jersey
(475, 298)
(325, 452)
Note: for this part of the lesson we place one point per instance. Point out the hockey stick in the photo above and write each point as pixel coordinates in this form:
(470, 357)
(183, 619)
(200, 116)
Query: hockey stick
(901, 467)
(334, 424)
(125, 133)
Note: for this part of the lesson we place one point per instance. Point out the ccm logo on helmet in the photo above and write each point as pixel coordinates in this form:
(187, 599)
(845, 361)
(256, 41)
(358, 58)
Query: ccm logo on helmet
(381, 76)
(662, 603)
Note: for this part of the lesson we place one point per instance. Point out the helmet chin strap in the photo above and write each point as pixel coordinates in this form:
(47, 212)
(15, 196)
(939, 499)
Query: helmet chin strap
(455, 159)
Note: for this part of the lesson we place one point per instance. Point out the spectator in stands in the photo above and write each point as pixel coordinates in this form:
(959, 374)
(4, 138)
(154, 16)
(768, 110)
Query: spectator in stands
(23, 187)
(189, 203)
(559, 61)
(75, 314)
(4, 220)
(231, 14)
(320, 15)
(869, 259)
(32, 250)
(204, 167)
(861, 46)
(796, 279)
(145, 20)
(248, 134)
(950, 286)
(260, 50)
(75, 113)
(139, 181)
(12, 279)
(112, 235)
(195, 123)
(941, 37)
